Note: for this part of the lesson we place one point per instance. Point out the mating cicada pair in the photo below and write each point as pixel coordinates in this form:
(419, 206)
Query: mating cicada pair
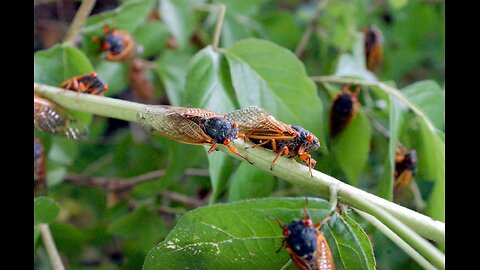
(201, 126)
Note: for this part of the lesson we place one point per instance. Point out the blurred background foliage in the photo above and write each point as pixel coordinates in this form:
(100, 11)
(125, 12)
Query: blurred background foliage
(106, 222)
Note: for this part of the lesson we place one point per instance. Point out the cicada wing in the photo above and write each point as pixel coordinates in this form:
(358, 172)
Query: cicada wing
(51, 118)
(169, 122)
(324, 254)
(193, 112)
(256, 123)
(299, 262)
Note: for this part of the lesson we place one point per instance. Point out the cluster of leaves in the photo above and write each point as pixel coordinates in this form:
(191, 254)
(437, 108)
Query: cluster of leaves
(255, 66)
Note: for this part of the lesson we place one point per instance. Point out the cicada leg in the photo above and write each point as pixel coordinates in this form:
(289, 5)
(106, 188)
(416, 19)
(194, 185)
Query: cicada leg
(282, 152)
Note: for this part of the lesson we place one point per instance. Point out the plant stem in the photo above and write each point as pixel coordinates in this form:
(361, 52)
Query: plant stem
(396, 239)
(435, 256)
(289, 170)
(310, 27)
(50, 247)
(388, 89)
(79, 19)
(218, 28)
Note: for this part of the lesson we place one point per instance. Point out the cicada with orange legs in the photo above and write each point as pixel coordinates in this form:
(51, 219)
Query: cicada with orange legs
(51, 118)
(306, 244)
(118, 45)
(190, 126)
(344, 107)
(264, 130)
(405, 166)
(39, 167)
(87, 84)
(373, 47)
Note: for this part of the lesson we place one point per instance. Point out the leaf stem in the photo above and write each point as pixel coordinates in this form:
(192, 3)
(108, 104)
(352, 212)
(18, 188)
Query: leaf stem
(383, 86)
(396, 239)
(50, 247)
(289, 170)
(79, 19)
(218, 28)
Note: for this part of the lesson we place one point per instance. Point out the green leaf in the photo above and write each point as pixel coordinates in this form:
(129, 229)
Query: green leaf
(152, 37)
(63, 151)
(248, 182)
(171, 70)
(431, 166)
(237, 27)
(429, 97)
(351, 147)
(45, 209)
(244, 7)
(364, 240)
(206, 86)
(269, 76)
(59, 63)
(178, 16)
(351, 242)
(115, 74)
(282, 29)
(398, 4)
(241, 234)
(385, 186)
(143, 225)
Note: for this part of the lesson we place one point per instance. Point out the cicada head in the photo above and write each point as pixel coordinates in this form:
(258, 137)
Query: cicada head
(220, 129)
(306, 139)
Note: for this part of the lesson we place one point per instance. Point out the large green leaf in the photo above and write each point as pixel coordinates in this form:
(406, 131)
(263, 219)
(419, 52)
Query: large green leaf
(241, 235)
(206, 86)
(430, 98)
(45, 209)
(270, 76)
(385, 186)
(281, 28)
(249, 182)
(115, 74)
(351, 147)
(352, 243)
(59, 63)
(220, 167)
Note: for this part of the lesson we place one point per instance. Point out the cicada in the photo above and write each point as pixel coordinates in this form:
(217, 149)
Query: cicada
(118, 44)
(405, 166)
(263, 129)
(373, 47)
(344, 107)
(306, 244)
(51, 118)
(140, 84)
(190, 126)
(87, 83)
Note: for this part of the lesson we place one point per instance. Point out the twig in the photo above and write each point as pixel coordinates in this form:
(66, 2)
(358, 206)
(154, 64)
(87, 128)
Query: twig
(312, 24)
(79, 19)
(218, 28)
(121, 185)
(50, 247)
(174, 196)
(396, 239)
(293, 172)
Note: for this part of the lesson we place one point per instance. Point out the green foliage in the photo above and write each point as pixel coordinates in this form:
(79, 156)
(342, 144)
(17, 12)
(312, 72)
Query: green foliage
(115, 225)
